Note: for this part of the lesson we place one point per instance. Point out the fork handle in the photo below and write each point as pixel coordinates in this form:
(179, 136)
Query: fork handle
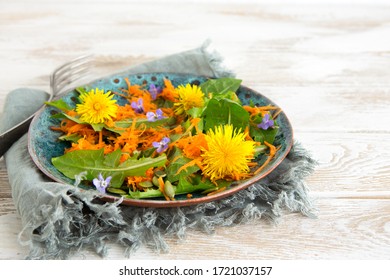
(8, 138)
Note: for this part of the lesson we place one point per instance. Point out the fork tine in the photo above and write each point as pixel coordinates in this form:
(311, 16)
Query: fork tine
(70, 72)
(66, 71)
(70, 67)
(63, 69)
(72, 63)
(71, 75)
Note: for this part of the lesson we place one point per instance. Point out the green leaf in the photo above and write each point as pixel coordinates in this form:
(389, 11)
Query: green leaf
(186, 184)
(195, 112)
(95, 162)
(191, 184)
(178, 161)
(228, 95)
(81, 90)
(57, 116)
(98, 126)
(260, 135)
(76, 120)
(116, 191)
(220, 86)
(145, 122)
(225, 111)
(95, 126)
(163, 103)
(60, 104)
(150, 193)
(72, 137)
(113, 159)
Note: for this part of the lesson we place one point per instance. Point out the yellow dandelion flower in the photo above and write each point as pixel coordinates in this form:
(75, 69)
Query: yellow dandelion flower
(227, 155)
(188, 97)
(96, 106)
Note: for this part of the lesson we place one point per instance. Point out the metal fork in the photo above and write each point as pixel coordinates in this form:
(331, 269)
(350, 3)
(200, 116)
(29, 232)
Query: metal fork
(61, 79)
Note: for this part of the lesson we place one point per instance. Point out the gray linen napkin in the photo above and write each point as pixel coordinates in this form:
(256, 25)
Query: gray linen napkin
(59, 219)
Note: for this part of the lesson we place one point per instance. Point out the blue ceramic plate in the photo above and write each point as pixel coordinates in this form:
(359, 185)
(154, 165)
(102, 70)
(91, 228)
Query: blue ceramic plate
(43, 142)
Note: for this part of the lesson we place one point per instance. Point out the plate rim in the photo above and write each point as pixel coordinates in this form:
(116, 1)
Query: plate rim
(163, 203)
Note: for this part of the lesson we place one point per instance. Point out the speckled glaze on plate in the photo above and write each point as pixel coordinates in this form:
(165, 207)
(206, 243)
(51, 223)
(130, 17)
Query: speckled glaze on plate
(43, 143)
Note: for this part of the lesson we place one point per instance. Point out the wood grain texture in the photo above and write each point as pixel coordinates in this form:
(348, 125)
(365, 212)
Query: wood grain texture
(326, 64)
(344, 229)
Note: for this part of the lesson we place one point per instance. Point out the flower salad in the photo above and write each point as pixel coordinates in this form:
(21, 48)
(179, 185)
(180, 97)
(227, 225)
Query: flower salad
(165, 140)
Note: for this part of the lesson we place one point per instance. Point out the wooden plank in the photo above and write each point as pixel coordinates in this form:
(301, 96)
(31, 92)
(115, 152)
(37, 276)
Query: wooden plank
(345, 229)
(11, 226)
(354, 162)
(6, 206)
(282, 70)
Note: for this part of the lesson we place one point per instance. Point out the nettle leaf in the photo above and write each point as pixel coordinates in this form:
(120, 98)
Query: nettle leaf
(95, 162)
(225, 111)
(220, 86)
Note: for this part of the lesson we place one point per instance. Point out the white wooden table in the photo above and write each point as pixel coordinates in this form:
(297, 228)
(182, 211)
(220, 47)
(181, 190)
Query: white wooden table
(326, 64)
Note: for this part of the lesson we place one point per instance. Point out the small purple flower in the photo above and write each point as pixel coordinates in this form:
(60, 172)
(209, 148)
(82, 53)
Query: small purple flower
(266, 122)
(162, 145)
(101, 184)
(155, 116)
(153, 90)
(138, 106)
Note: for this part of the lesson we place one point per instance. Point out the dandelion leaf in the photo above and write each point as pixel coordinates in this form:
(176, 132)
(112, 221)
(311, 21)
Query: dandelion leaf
(95, 162)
